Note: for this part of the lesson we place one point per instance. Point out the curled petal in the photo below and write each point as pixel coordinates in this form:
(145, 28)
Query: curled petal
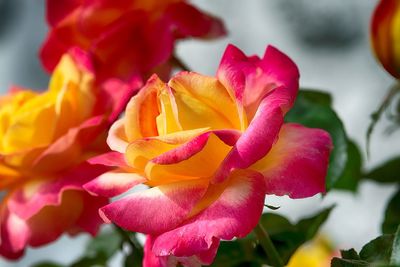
(117, 139)
(112, 159)
(142, 111)
(259, 137)
(114, 183)
(200, 157)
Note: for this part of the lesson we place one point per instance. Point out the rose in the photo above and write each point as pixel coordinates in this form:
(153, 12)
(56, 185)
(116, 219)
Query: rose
(210, 149)
(127, 38)
(45, 139)
(385, 35)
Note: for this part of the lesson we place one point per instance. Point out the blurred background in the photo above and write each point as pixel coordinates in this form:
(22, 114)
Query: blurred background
(327, 39)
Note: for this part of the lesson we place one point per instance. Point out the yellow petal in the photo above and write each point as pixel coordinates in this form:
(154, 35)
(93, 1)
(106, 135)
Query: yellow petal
(202, 101)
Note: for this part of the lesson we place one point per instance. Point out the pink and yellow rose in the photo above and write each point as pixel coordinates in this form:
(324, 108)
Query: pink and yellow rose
(127, 38)
(46, 138)
(209, 148)
(385, 35)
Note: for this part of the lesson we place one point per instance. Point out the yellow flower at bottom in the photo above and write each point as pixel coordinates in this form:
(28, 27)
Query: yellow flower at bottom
(317, 253)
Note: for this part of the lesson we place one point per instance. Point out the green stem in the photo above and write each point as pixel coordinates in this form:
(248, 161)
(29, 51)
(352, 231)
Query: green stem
(378, 113)
(131, 240)
(268, 246)
(179, 63)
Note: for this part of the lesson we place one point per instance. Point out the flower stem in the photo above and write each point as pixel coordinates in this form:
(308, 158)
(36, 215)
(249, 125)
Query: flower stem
(268, 246)
(131, 240)
(179, 63)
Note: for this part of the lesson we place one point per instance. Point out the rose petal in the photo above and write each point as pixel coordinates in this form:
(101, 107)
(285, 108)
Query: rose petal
(57, 10)
(259, 137)
(250, 79)
(234, 213)
(14, 235)
(202, 100)
(155, 210)
(114, 183)
(112, 159)
(117, 139)
(190, 161)
(189, 21)
(297, 164)
(35, 194)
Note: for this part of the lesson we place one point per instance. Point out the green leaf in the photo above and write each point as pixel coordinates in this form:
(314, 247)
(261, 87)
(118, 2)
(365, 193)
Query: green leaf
(337, 262)
(392, 215)
(350, 254)
(106, 243)
(352, 173)
(310, 226)
(288, 237)
(47, 264)
(383, 251)
(241, 252)
(388, 172)
(313, 109)
(100, 249)
(378, 250)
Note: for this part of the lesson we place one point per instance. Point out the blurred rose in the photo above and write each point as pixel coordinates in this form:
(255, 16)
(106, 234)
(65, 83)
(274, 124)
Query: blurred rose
(45, 139)
(385, 35)
(317, 253)
(126, 38)
(210, 149)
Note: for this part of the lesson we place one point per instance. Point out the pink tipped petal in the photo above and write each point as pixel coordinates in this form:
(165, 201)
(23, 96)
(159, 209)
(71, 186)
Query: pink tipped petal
(234, 214)
(14, 235)
(297, 164)
(42, 225)
(259, 137)
(81, 59)
(155, 210)
(89, 221)
(184, 151)
(230, 72)
(229, 137)
(251, 79)
(195, 145)
(112, 159)
(30, 198)
(117, 139)
(150, 259)
(114, 183)
(119, 93)
(66, 145)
